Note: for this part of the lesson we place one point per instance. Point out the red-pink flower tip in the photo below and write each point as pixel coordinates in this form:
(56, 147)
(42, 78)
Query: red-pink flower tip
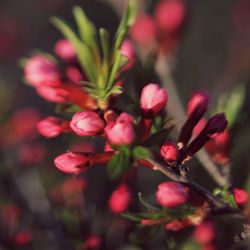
(71, 162)
(41, 70)
(121, 132)
(120, 199)
(198, 99)
(52, 126)
(87, 123)
(153, 99)
(240, 196)
(170, 151)
(204, 233)
(171, 194)
(65, 50)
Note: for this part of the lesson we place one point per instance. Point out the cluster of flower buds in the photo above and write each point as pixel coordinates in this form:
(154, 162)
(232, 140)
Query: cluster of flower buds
(183, 150)
(162, 29)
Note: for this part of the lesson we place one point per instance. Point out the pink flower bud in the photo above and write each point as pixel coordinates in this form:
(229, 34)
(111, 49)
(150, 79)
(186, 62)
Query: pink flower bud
(240, 196)
(65, 50)
(169, 15)
(153, 99)
(52, 126)
(87, 123)
(71, 162)
(204, 233)
(171, 194)
(143, 31)
(41, 70)
(52, 94)
(120, 199)
(127, 50)
(170, 151)
(121, 132)
(198, 99)
(74, 74)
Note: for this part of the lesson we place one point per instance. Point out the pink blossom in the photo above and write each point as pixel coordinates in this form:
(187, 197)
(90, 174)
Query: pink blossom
(153, 98)
(71, 162)
(127, 50)
(65, 50)
(170, 151)
(171, 194)
(204, 233)
(240, 196)
(121, 132)
(87, 123)
(52, 126)
(41, 70)
(120, 199)
(143, 31)
(169, 15)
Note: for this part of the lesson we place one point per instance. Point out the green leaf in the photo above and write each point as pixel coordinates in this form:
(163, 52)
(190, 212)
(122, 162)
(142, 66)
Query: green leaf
(67, 108)
(83, 53)
(86, 29)
(104, 37)
(127, 20)
(119, 162)
(119, 62)
(131, 217)
(140, 152)
(231, 103)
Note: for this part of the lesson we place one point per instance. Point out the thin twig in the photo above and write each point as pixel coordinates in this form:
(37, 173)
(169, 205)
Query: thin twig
(213, 200)
(175, 109)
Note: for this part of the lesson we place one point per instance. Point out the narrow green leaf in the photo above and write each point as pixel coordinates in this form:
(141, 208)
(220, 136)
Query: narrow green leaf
(83, 52)
(119, 163)
(131, 217)
(86, 28)
(127, 20)
(104, 37)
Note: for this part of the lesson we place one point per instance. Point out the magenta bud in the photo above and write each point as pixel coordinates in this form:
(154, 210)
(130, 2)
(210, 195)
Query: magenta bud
(215, 125)
(41, 70)
(240, 196)
(52, 126)
(153, 99)
(171, 194)
(71, 163)
(121, 132)
(87, 123)
(65, 50)
(120, 199)
(170, 151)
(198, 99)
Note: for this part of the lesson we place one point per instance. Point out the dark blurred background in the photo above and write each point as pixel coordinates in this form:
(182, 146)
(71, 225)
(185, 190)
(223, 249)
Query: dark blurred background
(213, 54)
